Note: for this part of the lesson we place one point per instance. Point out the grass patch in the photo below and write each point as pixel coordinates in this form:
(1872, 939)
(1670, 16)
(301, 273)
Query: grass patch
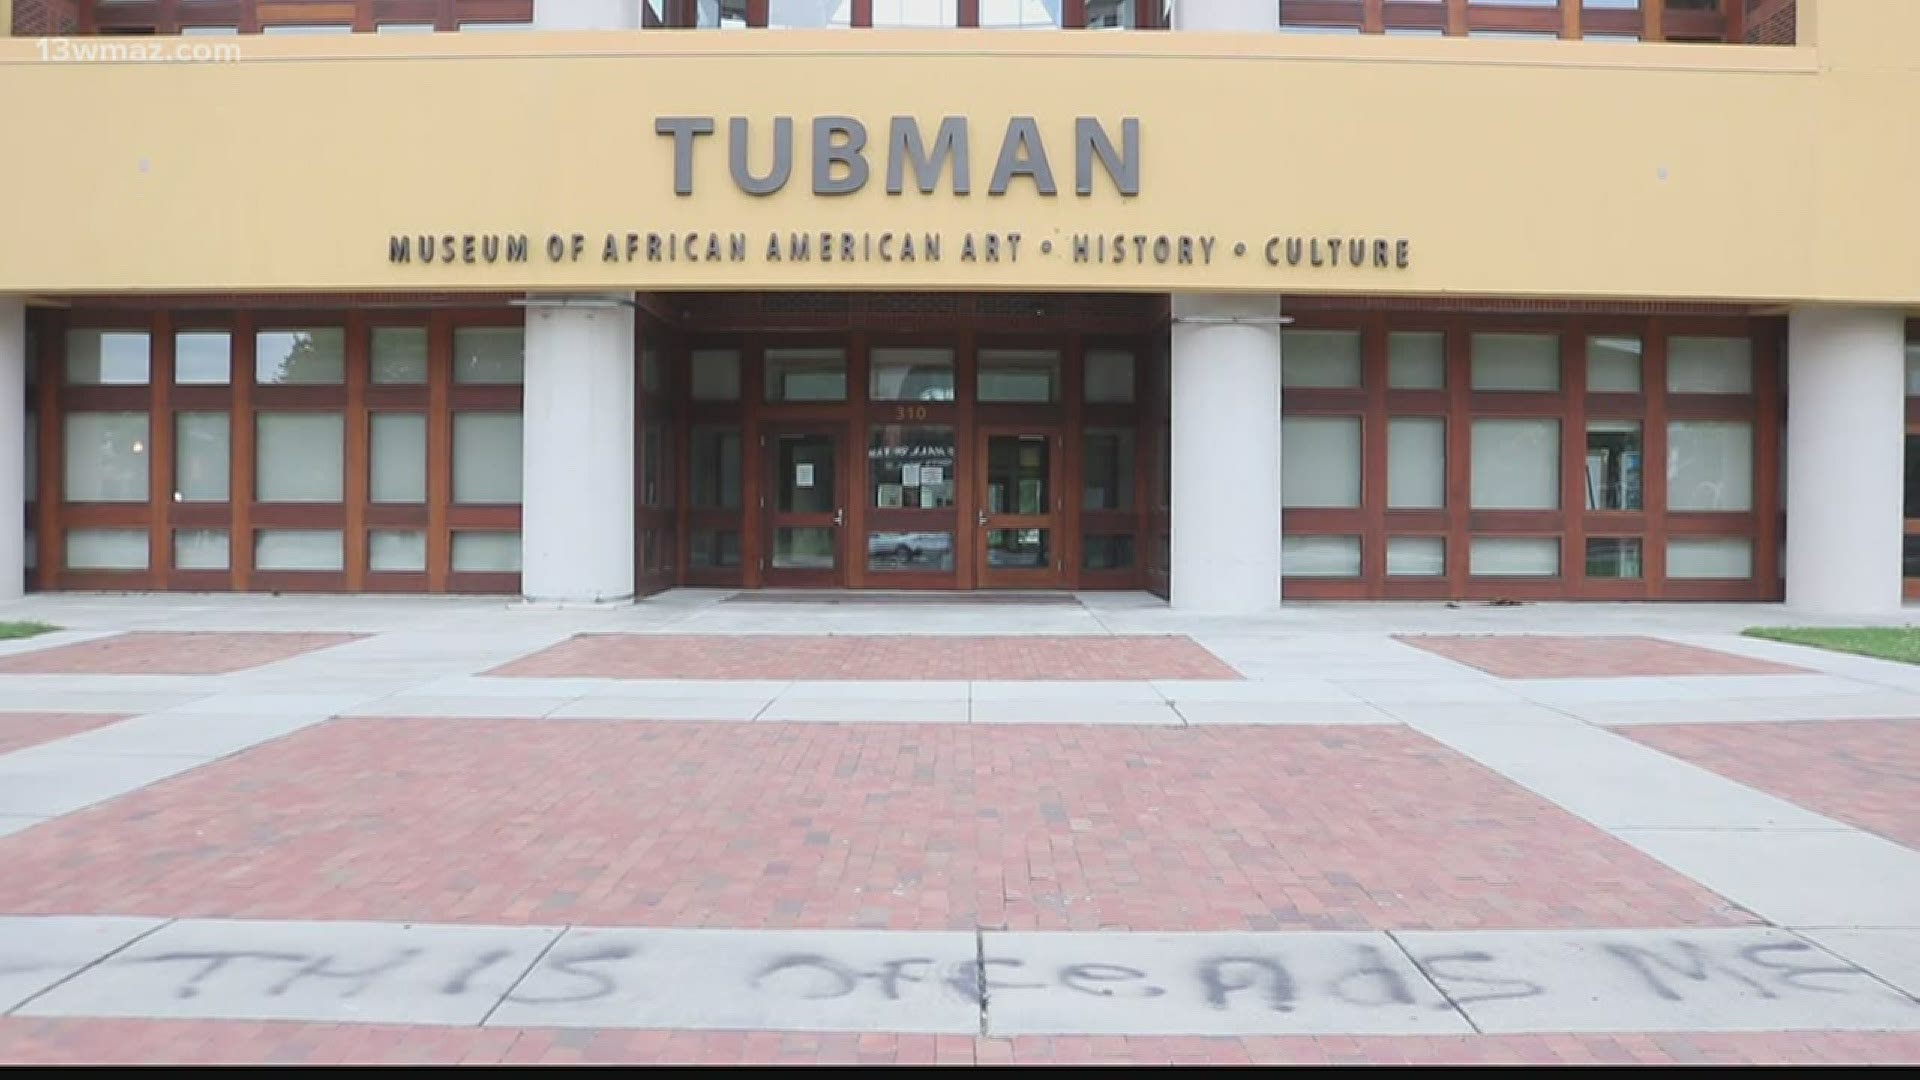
(11, 630)
(1884, 643)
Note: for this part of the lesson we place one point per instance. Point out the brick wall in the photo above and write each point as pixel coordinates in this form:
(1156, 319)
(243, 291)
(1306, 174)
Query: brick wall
(1770, 22)
(43, 18)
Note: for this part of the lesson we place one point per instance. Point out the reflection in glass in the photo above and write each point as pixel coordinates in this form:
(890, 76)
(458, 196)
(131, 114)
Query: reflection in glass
(910, 551)
(1108, 377)
(107, 357)
(1110, 14)
(1320, 556)
(106, 549)
(1613, 558)
(721, 14)
(202, 357)
(200, 549)
(1019, 376)
(1613, 365)
(1613, 465)
(1106, 551)
(803, 548)
(1416, 556)
(300, 357)
(1017, 474)
(806, 374)
(1709, 465)
(716, 375)
(200, 457)
(300, 457)
(106, 457)
(490, 355)
(399, 355)
(910, 374)
(1017, 549)
(397, 551)
(1106, 474)
(809, 14)
(713, 548)
(1320, 359)
(1019, 14)
(715, 466)
(1709, 365)
(804, 479)
(1516, 362)
(910, 467)
(1416, 360)
(298, 549)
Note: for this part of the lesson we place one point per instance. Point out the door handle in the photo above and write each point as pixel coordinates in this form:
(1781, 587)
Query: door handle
(983, 519)
(839, 515)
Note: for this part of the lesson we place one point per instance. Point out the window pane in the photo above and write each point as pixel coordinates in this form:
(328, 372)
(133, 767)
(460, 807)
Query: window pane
(1102, 551)
(397, 462)
(1320, 556)
(716, 375)
(1516, 362)
(916, 13)
(300, 457)
(902, 374)
(203, 358)
(1110, 15)
(709, 549)
(653, 371)
(1709, 365)
(1019, 14)
(806, 374)
(1910, 502)
(1513, 556)
(1613, 465)
(108, 357)
(486, 458)
(399, 355)
(1320, 461)
(1106, 471)
(1417, 360)
(715, 453)
(1612, 558)
(201, 457)
(1018, 549)
(1516, 464)
(1109, 377)
(1019, 375)
(200, 549)
(803, 549)
(30, 485)
(397, 551)
(486, 552)
(1320, 358)
(1713, 558)
(1416, 463)
(316, 356)
(494, 355)
(1416, 556)
(1613, 364)
(106, 457)
(1913, 368)
(910, 551)
(805, 14)
(1709, 465)
(910, 467)
(106, 549)
(298, 549)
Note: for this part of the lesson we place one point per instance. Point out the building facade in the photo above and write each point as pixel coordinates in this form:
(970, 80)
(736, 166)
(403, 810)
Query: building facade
(1236, 301)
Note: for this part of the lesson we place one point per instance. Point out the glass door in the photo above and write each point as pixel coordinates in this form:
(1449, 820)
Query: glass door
(1019, 510)
(806, 507)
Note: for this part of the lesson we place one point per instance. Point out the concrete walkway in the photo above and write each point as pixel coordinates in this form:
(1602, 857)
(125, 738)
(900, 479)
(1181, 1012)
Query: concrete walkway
(1832, 896)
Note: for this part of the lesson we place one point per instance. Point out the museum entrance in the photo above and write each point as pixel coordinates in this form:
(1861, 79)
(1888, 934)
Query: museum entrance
(941, 451)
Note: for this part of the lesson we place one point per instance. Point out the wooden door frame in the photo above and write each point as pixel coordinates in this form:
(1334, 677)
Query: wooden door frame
(1055, 519)
(771, 517)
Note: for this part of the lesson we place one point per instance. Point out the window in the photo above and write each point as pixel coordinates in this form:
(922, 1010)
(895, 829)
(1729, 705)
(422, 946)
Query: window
(721, 14)
(1516, 465)
(715, 467)
(1416, 556)
(309, 550)
(1106, 470)
(1709, 365)
(715, 375)
(486, 552)
(1019, 376)
(1320, 556)
(200, 549)
(201, 457)
(1613, 365)
(910, 467)
(401, 551)
(809, 14)
(299, 457)
(709, 549)
(1106, 551)
(397, 457)
(399, 356)
(106, 549)
(1613, 465)
(107, 357)
(106, 457)
(1320, 462)
(1019, 14)
(1516, 362)
(300, 357)
(1514, 556)
(1416, 360)
(1320, 358)
(1613, 558)
(916, 13)
(486, 458)
(490, 355)
(1109, 377)
(806, 375)
(1110, 15)
(1709, 465)
(1416, 463)
(203, 358)
(1709, 558)
(910, 374)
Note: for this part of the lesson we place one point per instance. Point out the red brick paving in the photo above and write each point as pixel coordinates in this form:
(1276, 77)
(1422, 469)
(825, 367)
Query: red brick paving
(1546, 656)
(20, 730)
(1863, 772)
(165, 652)
(871, 656)
(904, 826)
(210, 1042)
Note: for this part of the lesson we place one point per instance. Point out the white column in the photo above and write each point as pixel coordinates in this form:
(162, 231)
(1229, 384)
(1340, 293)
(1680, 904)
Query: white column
(577, 509)
(1846, 459)
(586, 14)
(1226, 454)
(1226, 15)
(13, 445)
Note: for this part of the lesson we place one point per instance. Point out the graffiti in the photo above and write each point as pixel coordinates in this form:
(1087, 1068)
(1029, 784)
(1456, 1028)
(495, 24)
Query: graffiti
(1276, 982)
